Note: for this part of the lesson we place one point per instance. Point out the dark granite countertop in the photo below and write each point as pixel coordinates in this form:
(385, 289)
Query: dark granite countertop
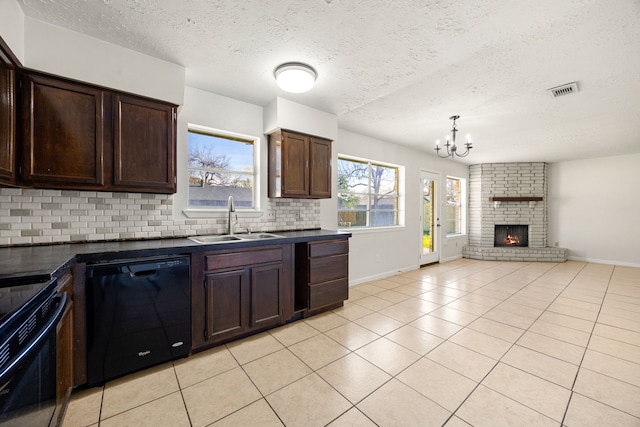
(35, 263)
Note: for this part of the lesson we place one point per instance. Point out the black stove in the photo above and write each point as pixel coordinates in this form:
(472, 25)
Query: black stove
(29, 314)
(15, 295)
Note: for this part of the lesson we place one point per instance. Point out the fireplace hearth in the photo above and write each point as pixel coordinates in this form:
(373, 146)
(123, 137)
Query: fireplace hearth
(509, 235)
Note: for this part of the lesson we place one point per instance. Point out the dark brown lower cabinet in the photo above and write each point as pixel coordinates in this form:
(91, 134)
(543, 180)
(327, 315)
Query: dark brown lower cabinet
(227, 311)
(64, 347)
(239, 292)
(322, 275)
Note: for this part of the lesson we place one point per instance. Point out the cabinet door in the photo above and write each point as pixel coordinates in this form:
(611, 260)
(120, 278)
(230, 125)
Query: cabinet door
(7, 122)
(320, 168)
(144, 145)
(64, 355)
(295, 165)
(227, 303)
(65, 345)
(267, 295)
(63, 134)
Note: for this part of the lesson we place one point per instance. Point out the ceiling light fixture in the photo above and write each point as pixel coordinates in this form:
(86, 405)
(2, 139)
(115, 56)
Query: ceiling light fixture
(295, 77)
(452, 149)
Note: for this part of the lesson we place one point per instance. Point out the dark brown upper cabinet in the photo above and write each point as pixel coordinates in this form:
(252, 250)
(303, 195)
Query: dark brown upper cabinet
(299, 166)
(81, 136)
(7, 120)
(64, 134)
(320, 168)
(144, 145)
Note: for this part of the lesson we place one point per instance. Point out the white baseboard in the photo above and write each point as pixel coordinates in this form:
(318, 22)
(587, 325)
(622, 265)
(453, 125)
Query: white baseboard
(451, 258)
(605, 261)
(381, 275)
(394, 272)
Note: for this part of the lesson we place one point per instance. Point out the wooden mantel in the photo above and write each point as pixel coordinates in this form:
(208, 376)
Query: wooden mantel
(515, 199)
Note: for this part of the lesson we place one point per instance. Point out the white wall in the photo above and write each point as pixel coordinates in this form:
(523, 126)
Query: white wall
(284, 114)
(379, 253)
(594, 209)
(56, 50)
(12, 27)
(63, 52)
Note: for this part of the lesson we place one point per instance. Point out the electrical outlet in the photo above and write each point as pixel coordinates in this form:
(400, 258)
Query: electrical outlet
(271, 215)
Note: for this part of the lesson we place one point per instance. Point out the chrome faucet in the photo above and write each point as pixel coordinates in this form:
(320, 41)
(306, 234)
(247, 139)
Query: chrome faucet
(231, 207)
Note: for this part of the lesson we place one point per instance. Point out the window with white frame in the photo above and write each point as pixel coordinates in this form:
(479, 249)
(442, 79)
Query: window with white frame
(368, 193)
(220, 165)
(455, 207)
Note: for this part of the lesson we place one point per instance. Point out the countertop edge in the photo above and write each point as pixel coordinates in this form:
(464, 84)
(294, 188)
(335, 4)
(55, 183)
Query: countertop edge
(40, 263)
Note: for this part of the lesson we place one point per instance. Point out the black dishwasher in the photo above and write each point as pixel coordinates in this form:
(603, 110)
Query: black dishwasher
(138, 315)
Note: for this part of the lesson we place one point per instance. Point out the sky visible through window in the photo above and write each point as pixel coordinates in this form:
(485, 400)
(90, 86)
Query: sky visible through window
(240, 155)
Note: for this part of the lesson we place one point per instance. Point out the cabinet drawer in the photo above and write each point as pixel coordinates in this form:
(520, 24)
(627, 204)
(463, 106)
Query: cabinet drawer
(334, 247)
(328, 293)
(328, 268)
(241, 259)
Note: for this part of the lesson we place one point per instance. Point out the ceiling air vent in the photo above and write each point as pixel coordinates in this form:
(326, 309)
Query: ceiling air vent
(566, 89)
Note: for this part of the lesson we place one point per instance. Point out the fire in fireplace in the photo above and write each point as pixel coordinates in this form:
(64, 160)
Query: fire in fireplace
(511, 235)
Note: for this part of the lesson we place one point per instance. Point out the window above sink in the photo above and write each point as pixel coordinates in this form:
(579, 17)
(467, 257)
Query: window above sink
(221, 164)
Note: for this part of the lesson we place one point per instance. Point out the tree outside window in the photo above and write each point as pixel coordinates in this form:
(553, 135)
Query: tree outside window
(367, 194)
(454, 223)
(220, 166)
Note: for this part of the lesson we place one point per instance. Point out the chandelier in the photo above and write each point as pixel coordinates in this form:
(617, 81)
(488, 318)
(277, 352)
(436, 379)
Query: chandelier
(452, 148)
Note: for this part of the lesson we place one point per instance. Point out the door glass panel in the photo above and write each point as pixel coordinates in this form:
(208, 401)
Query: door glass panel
(428, 216)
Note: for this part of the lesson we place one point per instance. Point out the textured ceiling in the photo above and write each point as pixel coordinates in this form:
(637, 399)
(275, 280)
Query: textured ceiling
(396, 70)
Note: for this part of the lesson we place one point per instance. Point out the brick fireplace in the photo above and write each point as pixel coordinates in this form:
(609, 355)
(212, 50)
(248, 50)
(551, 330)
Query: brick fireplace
(512, 194)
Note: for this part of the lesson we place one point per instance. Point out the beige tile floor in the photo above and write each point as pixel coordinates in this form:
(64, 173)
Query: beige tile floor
(461, 343)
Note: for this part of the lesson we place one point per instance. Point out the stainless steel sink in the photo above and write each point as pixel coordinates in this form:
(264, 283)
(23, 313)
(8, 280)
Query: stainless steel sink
(228, 238)
(205, 240)
(258, 236)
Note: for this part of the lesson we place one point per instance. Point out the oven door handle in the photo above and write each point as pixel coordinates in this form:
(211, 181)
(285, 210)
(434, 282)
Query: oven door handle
(35, 342)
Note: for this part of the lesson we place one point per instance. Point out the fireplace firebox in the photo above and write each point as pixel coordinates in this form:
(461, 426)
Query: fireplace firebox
(511, 236)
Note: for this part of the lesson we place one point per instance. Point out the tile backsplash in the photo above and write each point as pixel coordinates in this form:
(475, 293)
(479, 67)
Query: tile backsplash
(32, 216)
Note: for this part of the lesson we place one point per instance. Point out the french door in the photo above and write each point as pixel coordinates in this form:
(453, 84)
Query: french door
(429, 217)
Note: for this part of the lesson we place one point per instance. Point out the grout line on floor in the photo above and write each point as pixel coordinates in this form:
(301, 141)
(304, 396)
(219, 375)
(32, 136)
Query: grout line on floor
(509, 349)
(595, 322)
